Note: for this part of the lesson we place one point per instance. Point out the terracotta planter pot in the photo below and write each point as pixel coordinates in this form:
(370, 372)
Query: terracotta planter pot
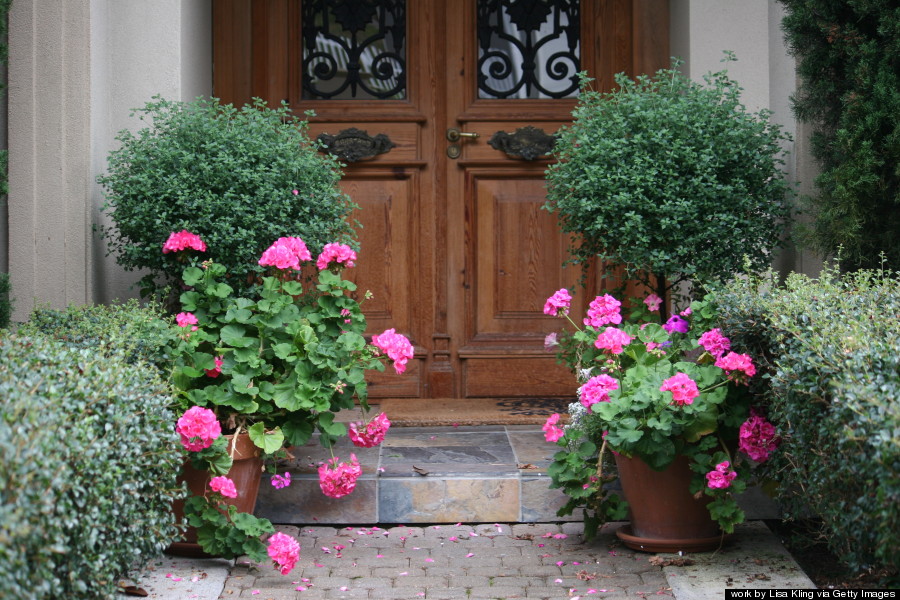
(665, 516)
(246, 472)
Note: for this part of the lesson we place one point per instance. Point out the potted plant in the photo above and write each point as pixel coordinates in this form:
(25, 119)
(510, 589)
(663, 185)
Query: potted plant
(674, 180)
(268, 367)
(669, 402)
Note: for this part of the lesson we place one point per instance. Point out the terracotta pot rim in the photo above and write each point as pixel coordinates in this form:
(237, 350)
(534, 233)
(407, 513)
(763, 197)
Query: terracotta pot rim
(647, 544)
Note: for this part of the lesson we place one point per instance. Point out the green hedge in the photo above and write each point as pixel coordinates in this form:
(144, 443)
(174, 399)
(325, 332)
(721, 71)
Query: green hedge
(5, 301)
(831, 382)
(142, 333)
(88, 466)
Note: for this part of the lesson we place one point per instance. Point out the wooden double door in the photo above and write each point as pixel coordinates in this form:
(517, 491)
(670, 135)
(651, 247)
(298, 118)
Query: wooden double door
(445, 143)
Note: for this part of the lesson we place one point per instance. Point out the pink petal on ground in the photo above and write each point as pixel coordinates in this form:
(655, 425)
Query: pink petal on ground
(557, 581)
(559, 563)
(469, 555)
(429, 560)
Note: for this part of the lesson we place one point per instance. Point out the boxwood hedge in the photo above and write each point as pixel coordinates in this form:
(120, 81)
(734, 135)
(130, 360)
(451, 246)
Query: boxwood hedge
(88, 465)
(831, 383)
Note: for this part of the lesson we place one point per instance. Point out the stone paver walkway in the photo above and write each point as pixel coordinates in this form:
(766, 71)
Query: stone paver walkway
(448, 561)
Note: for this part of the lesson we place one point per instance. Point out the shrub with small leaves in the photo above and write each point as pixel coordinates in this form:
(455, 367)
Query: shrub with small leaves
(88, 466)
(828, 352)
(238, 178)
(671, 178)
(140, 333)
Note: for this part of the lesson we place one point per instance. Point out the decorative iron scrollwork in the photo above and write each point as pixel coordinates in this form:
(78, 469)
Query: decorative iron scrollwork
(527, 143)
(528, 49)
(352, 145)
(354, 49)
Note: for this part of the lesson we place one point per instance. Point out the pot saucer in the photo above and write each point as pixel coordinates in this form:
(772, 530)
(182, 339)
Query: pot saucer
(644, 544)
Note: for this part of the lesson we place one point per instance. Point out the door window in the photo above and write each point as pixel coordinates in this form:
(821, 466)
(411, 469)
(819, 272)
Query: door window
(528, 49)
(354, 49)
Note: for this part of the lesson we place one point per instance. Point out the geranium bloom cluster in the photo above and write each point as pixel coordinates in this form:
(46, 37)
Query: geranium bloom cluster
(715, 343)
(224, 486)
(602, 311)
(552, 433)
(183, 319)
(370, 434)
(337, 479)
(739, 367)
(183, 240)
(558, 304)
(395, 346)
(683, 388)
(198, 428)
(757, 438)
(285, 253)
(339, 253)
(597, 389)
(284, 551)
(613, 340)
(721, 477)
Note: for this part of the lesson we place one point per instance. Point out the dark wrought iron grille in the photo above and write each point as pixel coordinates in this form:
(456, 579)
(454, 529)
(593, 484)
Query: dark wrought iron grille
(354, 49)
(528, 48)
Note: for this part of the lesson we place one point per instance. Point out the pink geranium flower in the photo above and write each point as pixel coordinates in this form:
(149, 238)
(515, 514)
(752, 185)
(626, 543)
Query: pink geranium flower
(597, 389)
(739, 367)
(612, 339)
(337, 479)
(721, 477)
(371, 434)
(653, 302)
(558, 304)
(339, 253)
(395, 346)
(284, 551)
(757, 438)
(198, 428)
(217, 370)
(552, 433)
(224, 486)
(183, 319)
(602, 311)
(683, 388)
(285, 253)
(714, 342)
(183, 240)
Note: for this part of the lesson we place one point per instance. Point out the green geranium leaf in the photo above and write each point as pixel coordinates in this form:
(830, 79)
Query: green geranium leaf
(269, 441)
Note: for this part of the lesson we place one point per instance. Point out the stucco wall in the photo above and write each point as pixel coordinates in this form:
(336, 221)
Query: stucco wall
(49, 143)
(701, 30)
(76, 70)
(139, 49)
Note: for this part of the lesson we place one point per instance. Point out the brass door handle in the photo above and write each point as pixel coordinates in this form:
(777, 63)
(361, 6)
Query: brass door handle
(454, 134)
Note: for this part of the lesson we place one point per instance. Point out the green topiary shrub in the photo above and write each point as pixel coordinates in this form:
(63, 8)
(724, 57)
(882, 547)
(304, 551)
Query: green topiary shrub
(847, 56)
(238, 178)
(139, 333)
(833, 390)
(673, 179)
(88, 465)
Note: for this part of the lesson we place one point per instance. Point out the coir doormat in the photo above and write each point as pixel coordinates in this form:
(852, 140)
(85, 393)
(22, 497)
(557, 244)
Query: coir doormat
(433, 412)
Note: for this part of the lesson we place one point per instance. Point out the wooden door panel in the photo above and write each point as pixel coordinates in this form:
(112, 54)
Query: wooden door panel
(515, 377)
(517, 254)
(385, 267)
